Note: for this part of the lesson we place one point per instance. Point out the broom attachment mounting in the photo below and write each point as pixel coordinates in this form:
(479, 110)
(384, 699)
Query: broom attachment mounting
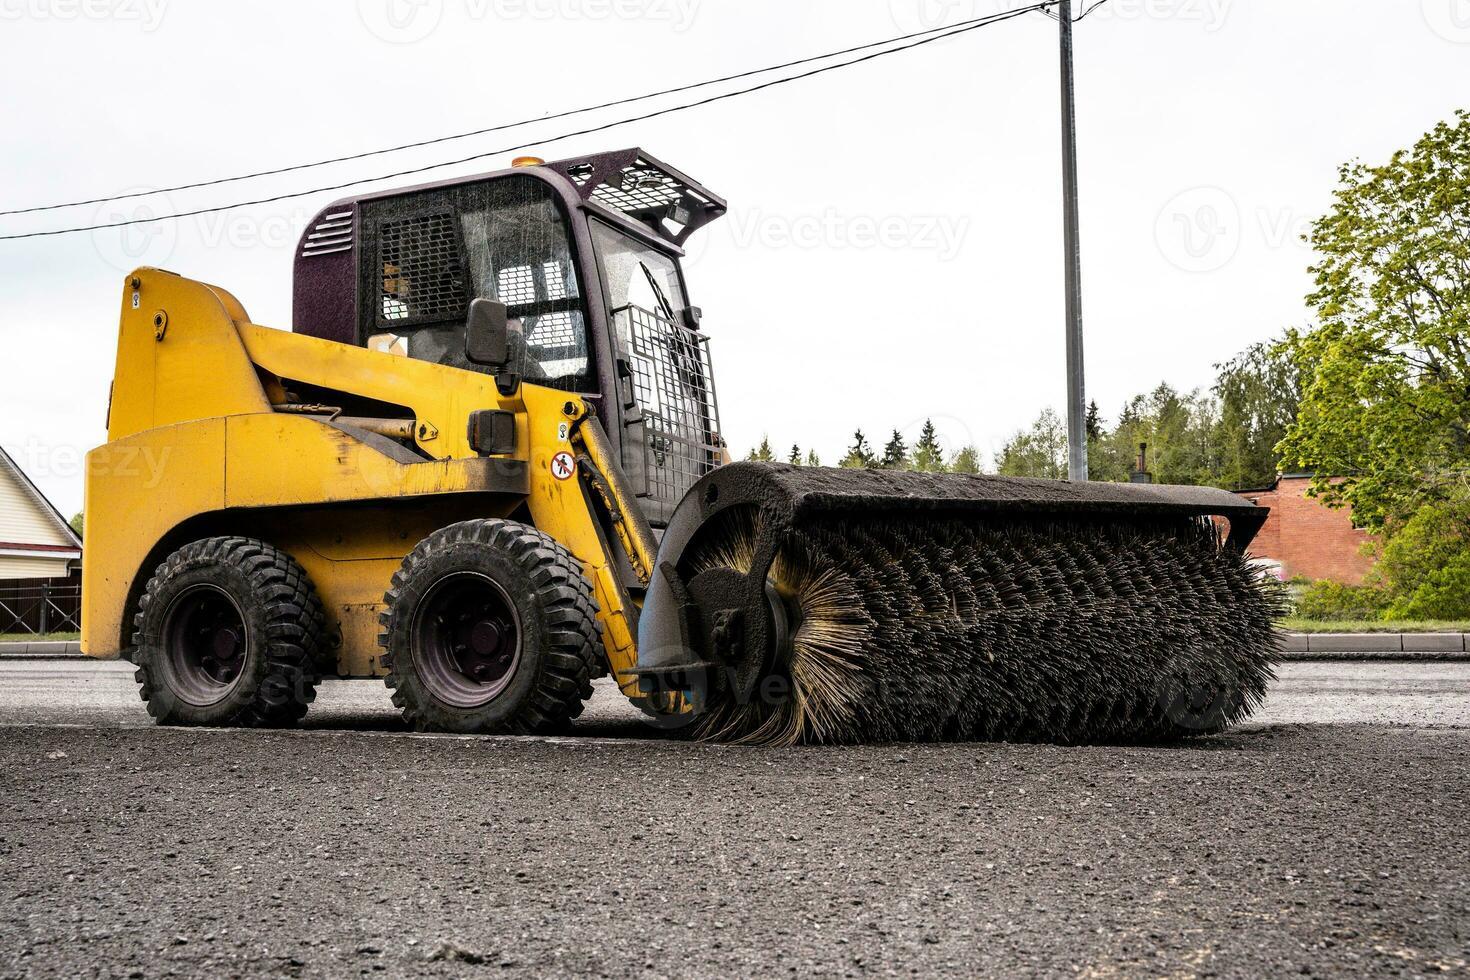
(805, 604)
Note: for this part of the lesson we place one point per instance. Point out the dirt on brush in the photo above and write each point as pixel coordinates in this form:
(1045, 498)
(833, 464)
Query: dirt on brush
(152, 852)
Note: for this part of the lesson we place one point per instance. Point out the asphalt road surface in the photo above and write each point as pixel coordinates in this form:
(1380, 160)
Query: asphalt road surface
(1327, 837)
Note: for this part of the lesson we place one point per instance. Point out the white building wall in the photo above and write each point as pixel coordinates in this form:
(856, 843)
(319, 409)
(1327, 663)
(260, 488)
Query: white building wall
(22, 520)
(12, 567)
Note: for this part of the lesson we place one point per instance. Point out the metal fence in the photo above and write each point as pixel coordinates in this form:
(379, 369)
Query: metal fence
(673, 386)
(40, 606)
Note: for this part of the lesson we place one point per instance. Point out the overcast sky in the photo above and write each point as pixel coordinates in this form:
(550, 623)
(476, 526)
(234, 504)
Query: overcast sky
(893, 250)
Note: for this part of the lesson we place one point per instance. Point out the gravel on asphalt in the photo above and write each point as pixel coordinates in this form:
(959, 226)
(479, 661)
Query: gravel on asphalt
(1274, 849)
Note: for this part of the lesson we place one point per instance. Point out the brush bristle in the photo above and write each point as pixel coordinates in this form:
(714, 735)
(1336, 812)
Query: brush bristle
(823, 659)
(1077, 631)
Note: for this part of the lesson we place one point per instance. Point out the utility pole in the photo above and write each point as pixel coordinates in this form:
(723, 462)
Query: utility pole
(1076, 388)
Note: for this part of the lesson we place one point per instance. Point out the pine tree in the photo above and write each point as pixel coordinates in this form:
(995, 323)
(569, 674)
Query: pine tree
(1094, 422)
(967, 460)
(762, 453)
(812, 459)
(860, 456)
(896, 453)
(795, 458)
(928, 456)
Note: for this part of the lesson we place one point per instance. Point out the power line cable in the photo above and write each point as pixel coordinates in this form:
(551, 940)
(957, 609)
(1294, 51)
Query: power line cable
(968, 27)
(1080, 17)
(501, 127)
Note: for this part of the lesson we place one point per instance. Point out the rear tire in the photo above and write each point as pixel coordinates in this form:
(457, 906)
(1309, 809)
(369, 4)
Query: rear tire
(228, 632)
(490, 627)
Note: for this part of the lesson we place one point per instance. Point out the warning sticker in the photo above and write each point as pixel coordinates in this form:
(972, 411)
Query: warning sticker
(563, 466)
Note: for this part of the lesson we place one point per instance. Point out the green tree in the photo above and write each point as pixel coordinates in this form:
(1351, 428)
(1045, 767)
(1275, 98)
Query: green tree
(860, 455)
(1094, 423)
(1182, 432)
(1259, 391)
(928, 454)
(77, 522)
(1386, 371)
(1040, 451)
(762, 453)
(896, 453)
(1425, 565)
(795, 458)
(812, 459)
(967, 460)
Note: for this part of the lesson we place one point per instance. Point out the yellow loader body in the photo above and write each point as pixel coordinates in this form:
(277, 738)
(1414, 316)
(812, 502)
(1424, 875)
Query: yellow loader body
(197, 446)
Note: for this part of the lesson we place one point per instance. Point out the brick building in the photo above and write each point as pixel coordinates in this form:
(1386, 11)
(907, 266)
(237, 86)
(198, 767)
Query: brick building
(1308, 538)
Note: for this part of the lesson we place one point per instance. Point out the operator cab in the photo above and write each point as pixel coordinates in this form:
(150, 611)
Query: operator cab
(583, 254)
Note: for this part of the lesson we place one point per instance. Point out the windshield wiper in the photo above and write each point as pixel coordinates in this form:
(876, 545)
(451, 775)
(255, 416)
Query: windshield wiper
(663, 299)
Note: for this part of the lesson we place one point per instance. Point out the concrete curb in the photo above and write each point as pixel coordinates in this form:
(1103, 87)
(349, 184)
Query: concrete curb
(42, 650)
(1413, 643)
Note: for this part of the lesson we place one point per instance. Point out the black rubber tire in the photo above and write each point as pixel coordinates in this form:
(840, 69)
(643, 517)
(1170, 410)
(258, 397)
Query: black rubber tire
(560, 637)
(284, 634)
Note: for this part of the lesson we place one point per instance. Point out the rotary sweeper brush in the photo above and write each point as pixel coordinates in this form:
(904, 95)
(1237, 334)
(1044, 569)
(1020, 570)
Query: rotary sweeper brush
(486, 467)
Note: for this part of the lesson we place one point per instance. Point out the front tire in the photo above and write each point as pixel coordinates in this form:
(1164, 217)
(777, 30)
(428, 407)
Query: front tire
(490, 627)
(228, 633)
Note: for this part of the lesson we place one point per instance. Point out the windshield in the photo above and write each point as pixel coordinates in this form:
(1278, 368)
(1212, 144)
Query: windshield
(638, 275)
(505, 240)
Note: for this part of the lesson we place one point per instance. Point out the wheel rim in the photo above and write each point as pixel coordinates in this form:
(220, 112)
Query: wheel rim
(466, 640)
(206, 641)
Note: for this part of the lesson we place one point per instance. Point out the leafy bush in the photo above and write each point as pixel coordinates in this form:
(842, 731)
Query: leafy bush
(1443, 594)
(1426, 563)
(1333, 600)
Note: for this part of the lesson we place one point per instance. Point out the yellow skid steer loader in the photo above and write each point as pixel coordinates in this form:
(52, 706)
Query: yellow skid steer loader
(486, 467)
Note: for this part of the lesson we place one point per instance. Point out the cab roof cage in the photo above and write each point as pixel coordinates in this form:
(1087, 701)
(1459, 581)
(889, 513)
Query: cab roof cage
(645, 189)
